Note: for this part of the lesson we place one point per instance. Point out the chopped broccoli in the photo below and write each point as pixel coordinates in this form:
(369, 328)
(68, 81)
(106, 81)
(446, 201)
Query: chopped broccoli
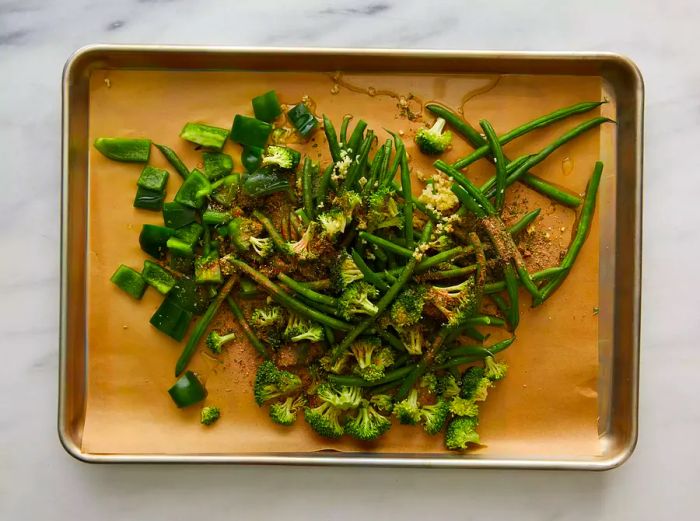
(433, 141)
(407, 309)
(344, 271)
(463, 407)
(338, 366)
(348, 201)
(215, 341)
(413, 340)
(475, 386)
(302, 247)
(408, 411)
(372, 358)
(262, 246)
(461, 432)
(438, 196)
(325, 420)
(448, 386)
(434, 416)
(368, 424)
(285, 413)
(271, 382)
(342, 398)
(457, 303)
(299, 329)
(282, 157)
(333, 222)
(494, 370)
(383, 212)
(209, 414)
(267, 317)
(355, 300)
(429, 382)
(382, 402)
(240, 230)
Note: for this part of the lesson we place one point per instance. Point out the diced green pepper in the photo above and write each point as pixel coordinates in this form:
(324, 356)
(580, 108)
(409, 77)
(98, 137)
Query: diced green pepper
(190, 233)
(154, 239)
(176, 215)
(251, 157)
(264, 182)
(215, 217)
(158, 277)
(204, 135)
(124, 149)
(148, 199)
(217, 164)
(171, 318)
(129, 280)
(194, 190)
(207, 270)
(190, 296)
(249, 289)
(181, 263)
(153, 178)
(250, 131)
(227, 191)
(178, 246)
(303, 120)
(188, 390)
(267, 107)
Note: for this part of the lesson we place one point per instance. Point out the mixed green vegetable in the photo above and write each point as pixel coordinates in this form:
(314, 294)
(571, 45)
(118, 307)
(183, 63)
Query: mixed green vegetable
(379, 296)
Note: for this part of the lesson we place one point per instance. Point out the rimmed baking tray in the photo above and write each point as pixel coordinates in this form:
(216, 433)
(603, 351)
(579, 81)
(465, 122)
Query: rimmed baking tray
(620, 234)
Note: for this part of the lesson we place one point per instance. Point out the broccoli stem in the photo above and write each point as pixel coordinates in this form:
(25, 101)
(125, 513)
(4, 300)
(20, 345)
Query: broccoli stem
(247, 330)
(307, 292)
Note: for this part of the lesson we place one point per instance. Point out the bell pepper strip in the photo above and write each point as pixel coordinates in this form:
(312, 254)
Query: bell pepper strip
(124, 149)
(193, 191)
(303, 120)
(264, 182)
(176, 215)
(206, 269)
(149, 199)
(157, 277)
(153, 240)
(171, 318)
(188, 390)
(190, 233)
(204, 135)
(174, 160)
(216, 165)
(251, 157)
(250, 131)
(179, 247)
(130, 281)
(202, 325)
(215, 217)
(266, 107)
(190, 296)
(153, 178)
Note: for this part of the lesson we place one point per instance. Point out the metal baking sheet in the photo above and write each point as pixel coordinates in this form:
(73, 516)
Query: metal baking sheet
(620, 236)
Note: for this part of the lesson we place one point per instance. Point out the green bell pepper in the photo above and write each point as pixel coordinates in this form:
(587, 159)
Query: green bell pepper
(251, 157)
(124, 149)
(158, 277)
(267, 107)
(227, 190)
(176, 215)
(194, 190)
(204, 135)
(171, 319)
(154, 239)
(189, 233)
(264, 182)
(129, 280)
(207, 270)
(303, 120)
(250, 131)
(153, 178)
(188, 390)
(217, 164)
(148, 199)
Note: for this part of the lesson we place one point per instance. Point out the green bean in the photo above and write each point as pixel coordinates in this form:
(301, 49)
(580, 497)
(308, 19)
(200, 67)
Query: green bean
(582, 229)
(457, 123)
(330, 336)
(540, 122)
(468, 201)
(480, 351)
(332, 139)
(494, 287)
(384, 167)
(353, 144)
(307, 186)
(392, 340)
(407, 201)
(511, 280)
(526, 280)
(202, 325)
(324, 184)
(386, 244)
(485, 320)
(420, 206)
(323, 308)
(449, 274)
(281, 297)
(344, 129)
(359, 163)
(384, 302)
(500, 160)
(410, 381)
(247, 331)
(545, 188)
(174, 160)
(480, 278)
(277, 239)
(374, 171)
(475, 334)
(307, 292)
(468, 186)
(316, 284)
(524, 222)
(357, 381)
(301, 214)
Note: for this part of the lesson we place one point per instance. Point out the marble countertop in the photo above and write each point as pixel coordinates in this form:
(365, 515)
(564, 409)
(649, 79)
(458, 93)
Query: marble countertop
(38, 480)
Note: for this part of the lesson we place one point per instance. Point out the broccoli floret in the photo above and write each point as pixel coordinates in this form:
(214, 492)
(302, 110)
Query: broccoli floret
(463, 407)
(429, 382)
(342, 398)
(494, 370)
(338, 366)
(299, 329)
(368, 424)
(282, 157)
(333, 222)
(372, 358)
(433, 141)
(325, 420)
(271, 382)
(457, 303)
(448, 387)
(285, 413)
(413, 340)
(408, 411)
(302, 247)
(216, 342)
(263, 246)
(355, 300)
(240, 231)
(348, 201)
(382, 210)
(434, 416)
(475, 386)
(382, 402)
(461, 432)
(407, 309)
(209, 414)
(344, 271)
(268, 316)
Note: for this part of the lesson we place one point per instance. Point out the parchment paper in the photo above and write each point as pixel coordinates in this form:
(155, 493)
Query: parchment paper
(545, 407)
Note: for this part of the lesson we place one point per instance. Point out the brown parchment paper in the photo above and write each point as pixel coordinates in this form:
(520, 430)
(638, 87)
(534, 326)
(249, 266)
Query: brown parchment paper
(545, 407)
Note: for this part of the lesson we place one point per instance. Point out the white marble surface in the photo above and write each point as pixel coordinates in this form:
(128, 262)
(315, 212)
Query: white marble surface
(38, 480)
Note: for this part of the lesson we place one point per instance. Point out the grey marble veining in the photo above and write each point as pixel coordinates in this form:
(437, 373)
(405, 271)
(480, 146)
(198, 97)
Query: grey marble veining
(39, 481)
